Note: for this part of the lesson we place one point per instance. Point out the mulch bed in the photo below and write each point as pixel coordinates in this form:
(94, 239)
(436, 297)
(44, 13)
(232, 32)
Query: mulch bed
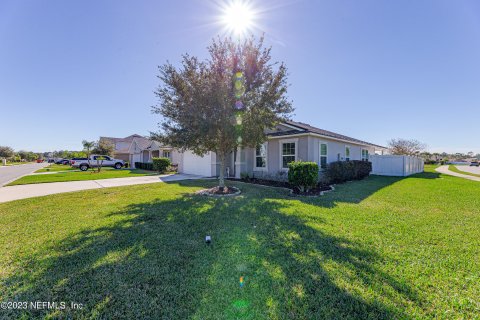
(216, 191)
(317, 191)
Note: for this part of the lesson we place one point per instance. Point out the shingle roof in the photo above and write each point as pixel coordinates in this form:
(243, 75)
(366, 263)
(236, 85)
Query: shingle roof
(142, 143)
(126, 139)
(306, 128)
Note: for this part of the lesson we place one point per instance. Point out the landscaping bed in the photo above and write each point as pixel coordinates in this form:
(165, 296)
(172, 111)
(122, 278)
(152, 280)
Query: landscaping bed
(283, 184)
(217, 191)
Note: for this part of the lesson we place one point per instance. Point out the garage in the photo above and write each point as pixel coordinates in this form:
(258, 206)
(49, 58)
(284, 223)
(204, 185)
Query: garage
(193, 164)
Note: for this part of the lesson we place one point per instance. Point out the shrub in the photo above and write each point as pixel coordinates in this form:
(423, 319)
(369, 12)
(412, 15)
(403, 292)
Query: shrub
(161, 164)
(144, 165)
(303, 175)
(244, 176)
(342, 171)
(173, 168)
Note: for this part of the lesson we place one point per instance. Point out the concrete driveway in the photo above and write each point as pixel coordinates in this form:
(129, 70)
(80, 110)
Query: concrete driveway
(475, 170)
(10, 173)
(43, 189)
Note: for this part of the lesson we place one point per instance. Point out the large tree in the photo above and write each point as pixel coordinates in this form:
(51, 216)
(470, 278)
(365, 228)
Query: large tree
(6, 152)
(223, 102)
(406, 147)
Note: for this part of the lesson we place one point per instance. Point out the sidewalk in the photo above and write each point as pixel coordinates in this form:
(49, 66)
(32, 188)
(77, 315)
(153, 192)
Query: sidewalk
(444, 170)
(43, 189)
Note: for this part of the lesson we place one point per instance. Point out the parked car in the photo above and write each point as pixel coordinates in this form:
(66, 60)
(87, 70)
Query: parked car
(77, 159)
(59, 161)
(39, 160)
(98, 160)
(65, 161)
(474, 164)
(51, 160)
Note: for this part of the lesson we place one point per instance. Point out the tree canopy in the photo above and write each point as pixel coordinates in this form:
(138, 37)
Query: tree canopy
(6, 152)
(406, 147)
(223, 102)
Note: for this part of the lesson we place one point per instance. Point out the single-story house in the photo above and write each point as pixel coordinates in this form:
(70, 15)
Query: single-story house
(288, 141)
(292, 141)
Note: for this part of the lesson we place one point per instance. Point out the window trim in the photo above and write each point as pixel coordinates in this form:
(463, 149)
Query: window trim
(166, 150)
(367, 154)
(280, 151)
(255, 168)
(320, 156)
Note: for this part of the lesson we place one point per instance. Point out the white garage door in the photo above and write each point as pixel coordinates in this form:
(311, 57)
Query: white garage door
(193, 164)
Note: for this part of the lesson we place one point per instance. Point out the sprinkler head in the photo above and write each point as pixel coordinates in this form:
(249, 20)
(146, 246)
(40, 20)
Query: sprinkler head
(208, 239)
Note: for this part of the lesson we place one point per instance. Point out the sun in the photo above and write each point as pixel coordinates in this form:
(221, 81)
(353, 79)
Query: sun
(238, 17)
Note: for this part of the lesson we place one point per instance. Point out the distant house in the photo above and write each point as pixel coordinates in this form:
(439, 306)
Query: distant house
(137, 148)
(288, 141)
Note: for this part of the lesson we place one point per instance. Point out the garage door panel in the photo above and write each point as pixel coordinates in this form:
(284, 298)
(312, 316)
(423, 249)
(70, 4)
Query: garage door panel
(194, 164)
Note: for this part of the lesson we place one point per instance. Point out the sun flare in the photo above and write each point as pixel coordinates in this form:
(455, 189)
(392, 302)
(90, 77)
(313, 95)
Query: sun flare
(238, 17)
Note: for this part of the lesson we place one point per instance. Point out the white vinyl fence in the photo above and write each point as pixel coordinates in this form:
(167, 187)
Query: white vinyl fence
(400, 166)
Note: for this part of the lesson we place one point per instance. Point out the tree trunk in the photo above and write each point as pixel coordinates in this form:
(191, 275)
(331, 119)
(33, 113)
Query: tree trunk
(221, 176)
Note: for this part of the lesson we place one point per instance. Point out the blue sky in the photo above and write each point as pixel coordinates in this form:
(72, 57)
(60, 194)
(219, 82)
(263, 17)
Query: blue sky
(374, 70)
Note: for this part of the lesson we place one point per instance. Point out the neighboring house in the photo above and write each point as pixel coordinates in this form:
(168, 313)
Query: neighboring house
(136, 148)
(289, 141)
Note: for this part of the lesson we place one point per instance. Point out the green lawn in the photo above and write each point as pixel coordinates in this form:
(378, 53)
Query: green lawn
(106, 173)
(455, 169)
(382, 248)
(56, 167)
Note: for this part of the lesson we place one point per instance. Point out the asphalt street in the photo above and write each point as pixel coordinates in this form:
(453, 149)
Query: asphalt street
(10, 173)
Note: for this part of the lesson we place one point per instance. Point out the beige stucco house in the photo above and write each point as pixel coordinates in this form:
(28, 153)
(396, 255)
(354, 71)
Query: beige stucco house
(292, 141)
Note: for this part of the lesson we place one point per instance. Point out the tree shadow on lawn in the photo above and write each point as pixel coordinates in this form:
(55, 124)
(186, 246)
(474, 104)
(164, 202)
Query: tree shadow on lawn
(153, 263)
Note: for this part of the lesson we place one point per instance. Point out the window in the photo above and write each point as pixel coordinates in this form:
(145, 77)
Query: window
(288, 153)
(347, 153)
(166, 153)
(101, 158)
(261, 156)
(364, 155)
(323, 155)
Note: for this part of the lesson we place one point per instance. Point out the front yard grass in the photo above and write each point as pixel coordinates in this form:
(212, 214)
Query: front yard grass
(106, 173)
(455, 169)
(56, 167)
(381, 248)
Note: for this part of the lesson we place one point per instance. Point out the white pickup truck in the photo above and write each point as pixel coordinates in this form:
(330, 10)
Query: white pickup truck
(97, 160)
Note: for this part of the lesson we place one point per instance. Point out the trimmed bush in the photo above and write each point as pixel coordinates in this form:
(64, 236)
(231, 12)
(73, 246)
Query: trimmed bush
(161, 164)
(144, 165)
(303, 175)
(342, 171)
